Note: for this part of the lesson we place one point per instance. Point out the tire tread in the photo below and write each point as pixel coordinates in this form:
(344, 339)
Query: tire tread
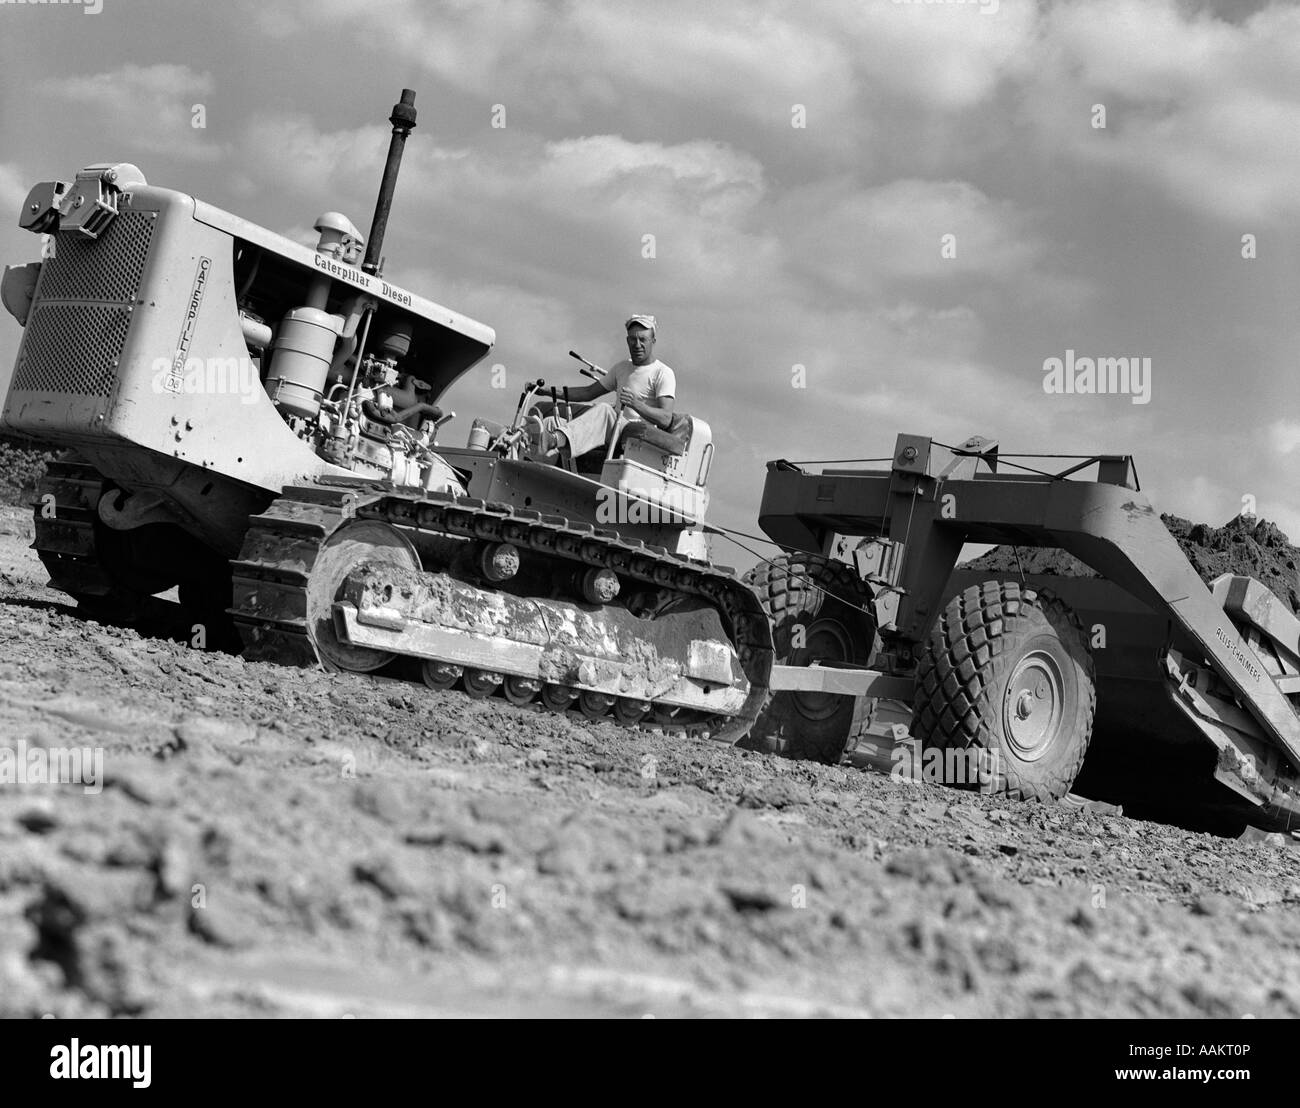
(954, 700)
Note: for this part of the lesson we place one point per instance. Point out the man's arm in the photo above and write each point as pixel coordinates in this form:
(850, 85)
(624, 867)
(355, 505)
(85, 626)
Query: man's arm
(581, 394)
(658, 411)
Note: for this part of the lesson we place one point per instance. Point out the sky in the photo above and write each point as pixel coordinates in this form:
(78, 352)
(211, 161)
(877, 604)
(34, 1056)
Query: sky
(852, 218)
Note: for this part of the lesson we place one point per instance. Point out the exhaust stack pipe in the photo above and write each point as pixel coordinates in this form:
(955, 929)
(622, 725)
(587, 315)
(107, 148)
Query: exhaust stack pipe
(403, 121)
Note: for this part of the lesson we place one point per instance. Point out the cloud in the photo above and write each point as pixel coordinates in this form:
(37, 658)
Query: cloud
(573, 213)
(1284, 436)
(14, 187)
(154, 103)
(1195, 103)
(291, 149)
(942, 56)
(1200, 499)
(679, 51)
(862, 240)
(705, 54)
(753, 63)
(1196, 107)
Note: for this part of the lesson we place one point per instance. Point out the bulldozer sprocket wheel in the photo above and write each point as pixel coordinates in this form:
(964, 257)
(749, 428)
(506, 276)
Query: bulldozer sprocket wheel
(357, 542)
(818, 609)
(1006, 693)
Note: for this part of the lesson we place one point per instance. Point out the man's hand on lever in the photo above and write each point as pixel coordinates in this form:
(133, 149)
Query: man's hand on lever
(656, 414)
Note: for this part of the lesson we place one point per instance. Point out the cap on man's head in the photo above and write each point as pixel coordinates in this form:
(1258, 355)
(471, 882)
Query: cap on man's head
(640, 321)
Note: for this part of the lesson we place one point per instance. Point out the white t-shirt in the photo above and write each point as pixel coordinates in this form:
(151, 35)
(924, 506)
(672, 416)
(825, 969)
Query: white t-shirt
(647, 382)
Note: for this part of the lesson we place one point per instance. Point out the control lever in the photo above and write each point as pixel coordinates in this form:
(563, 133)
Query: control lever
(592, 370)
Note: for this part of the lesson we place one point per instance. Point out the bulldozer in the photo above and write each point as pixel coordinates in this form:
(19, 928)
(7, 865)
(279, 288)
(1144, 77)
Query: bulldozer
(254, 423)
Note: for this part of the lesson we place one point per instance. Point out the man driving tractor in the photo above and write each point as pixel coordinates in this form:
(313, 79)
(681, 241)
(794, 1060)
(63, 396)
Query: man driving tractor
(644, 388)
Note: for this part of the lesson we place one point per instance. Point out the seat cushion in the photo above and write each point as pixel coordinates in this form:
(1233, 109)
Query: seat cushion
(672, 439)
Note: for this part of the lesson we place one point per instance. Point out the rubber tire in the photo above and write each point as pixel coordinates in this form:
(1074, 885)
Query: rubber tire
(969, 662)
(808, 589)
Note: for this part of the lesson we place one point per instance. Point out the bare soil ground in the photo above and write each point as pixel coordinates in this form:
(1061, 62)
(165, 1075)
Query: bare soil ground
(272, 841)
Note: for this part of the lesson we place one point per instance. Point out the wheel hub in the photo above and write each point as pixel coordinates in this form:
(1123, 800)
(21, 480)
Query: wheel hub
(1034, 705)
(827, 640)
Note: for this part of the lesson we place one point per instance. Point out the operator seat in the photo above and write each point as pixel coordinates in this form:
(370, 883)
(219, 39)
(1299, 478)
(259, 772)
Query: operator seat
(672, 439)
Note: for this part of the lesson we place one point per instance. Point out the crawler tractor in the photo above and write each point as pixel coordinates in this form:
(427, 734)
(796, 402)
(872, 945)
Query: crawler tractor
(255, 423)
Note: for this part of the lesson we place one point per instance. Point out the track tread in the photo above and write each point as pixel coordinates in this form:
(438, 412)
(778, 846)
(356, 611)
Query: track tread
(282, 544)
(65, 542)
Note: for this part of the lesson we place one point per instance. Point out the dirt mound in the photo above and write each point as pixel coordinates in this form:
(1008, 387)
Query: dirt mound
(1030, 559)
(1244, 545)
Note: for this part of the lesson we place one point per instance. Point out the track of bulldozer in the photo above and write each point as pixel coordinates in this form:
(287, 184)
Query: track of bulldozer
(115, 575)
(272, 573)
(66, 500)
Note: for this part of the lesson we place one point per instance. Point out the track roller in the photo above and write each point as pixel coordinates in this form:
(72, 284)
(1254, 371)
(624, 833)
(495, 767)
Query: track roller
(520, 690)
(558, 697)
(481, 683)
(440, 675)
(499, 561)
(600, 586)
(595, 705)
(631, 712)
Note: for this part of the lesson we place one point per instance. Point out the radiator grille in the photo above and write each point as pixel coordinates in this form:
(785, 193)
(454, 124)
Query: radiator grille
(81, 313)
(72, 348)
(108, 268)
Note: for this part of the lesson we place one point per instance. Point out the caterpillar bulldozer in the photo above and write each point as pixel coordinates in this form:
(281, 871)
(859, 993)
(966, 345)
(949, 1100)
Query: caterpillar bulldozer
(1143, 686)
(255, 423)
